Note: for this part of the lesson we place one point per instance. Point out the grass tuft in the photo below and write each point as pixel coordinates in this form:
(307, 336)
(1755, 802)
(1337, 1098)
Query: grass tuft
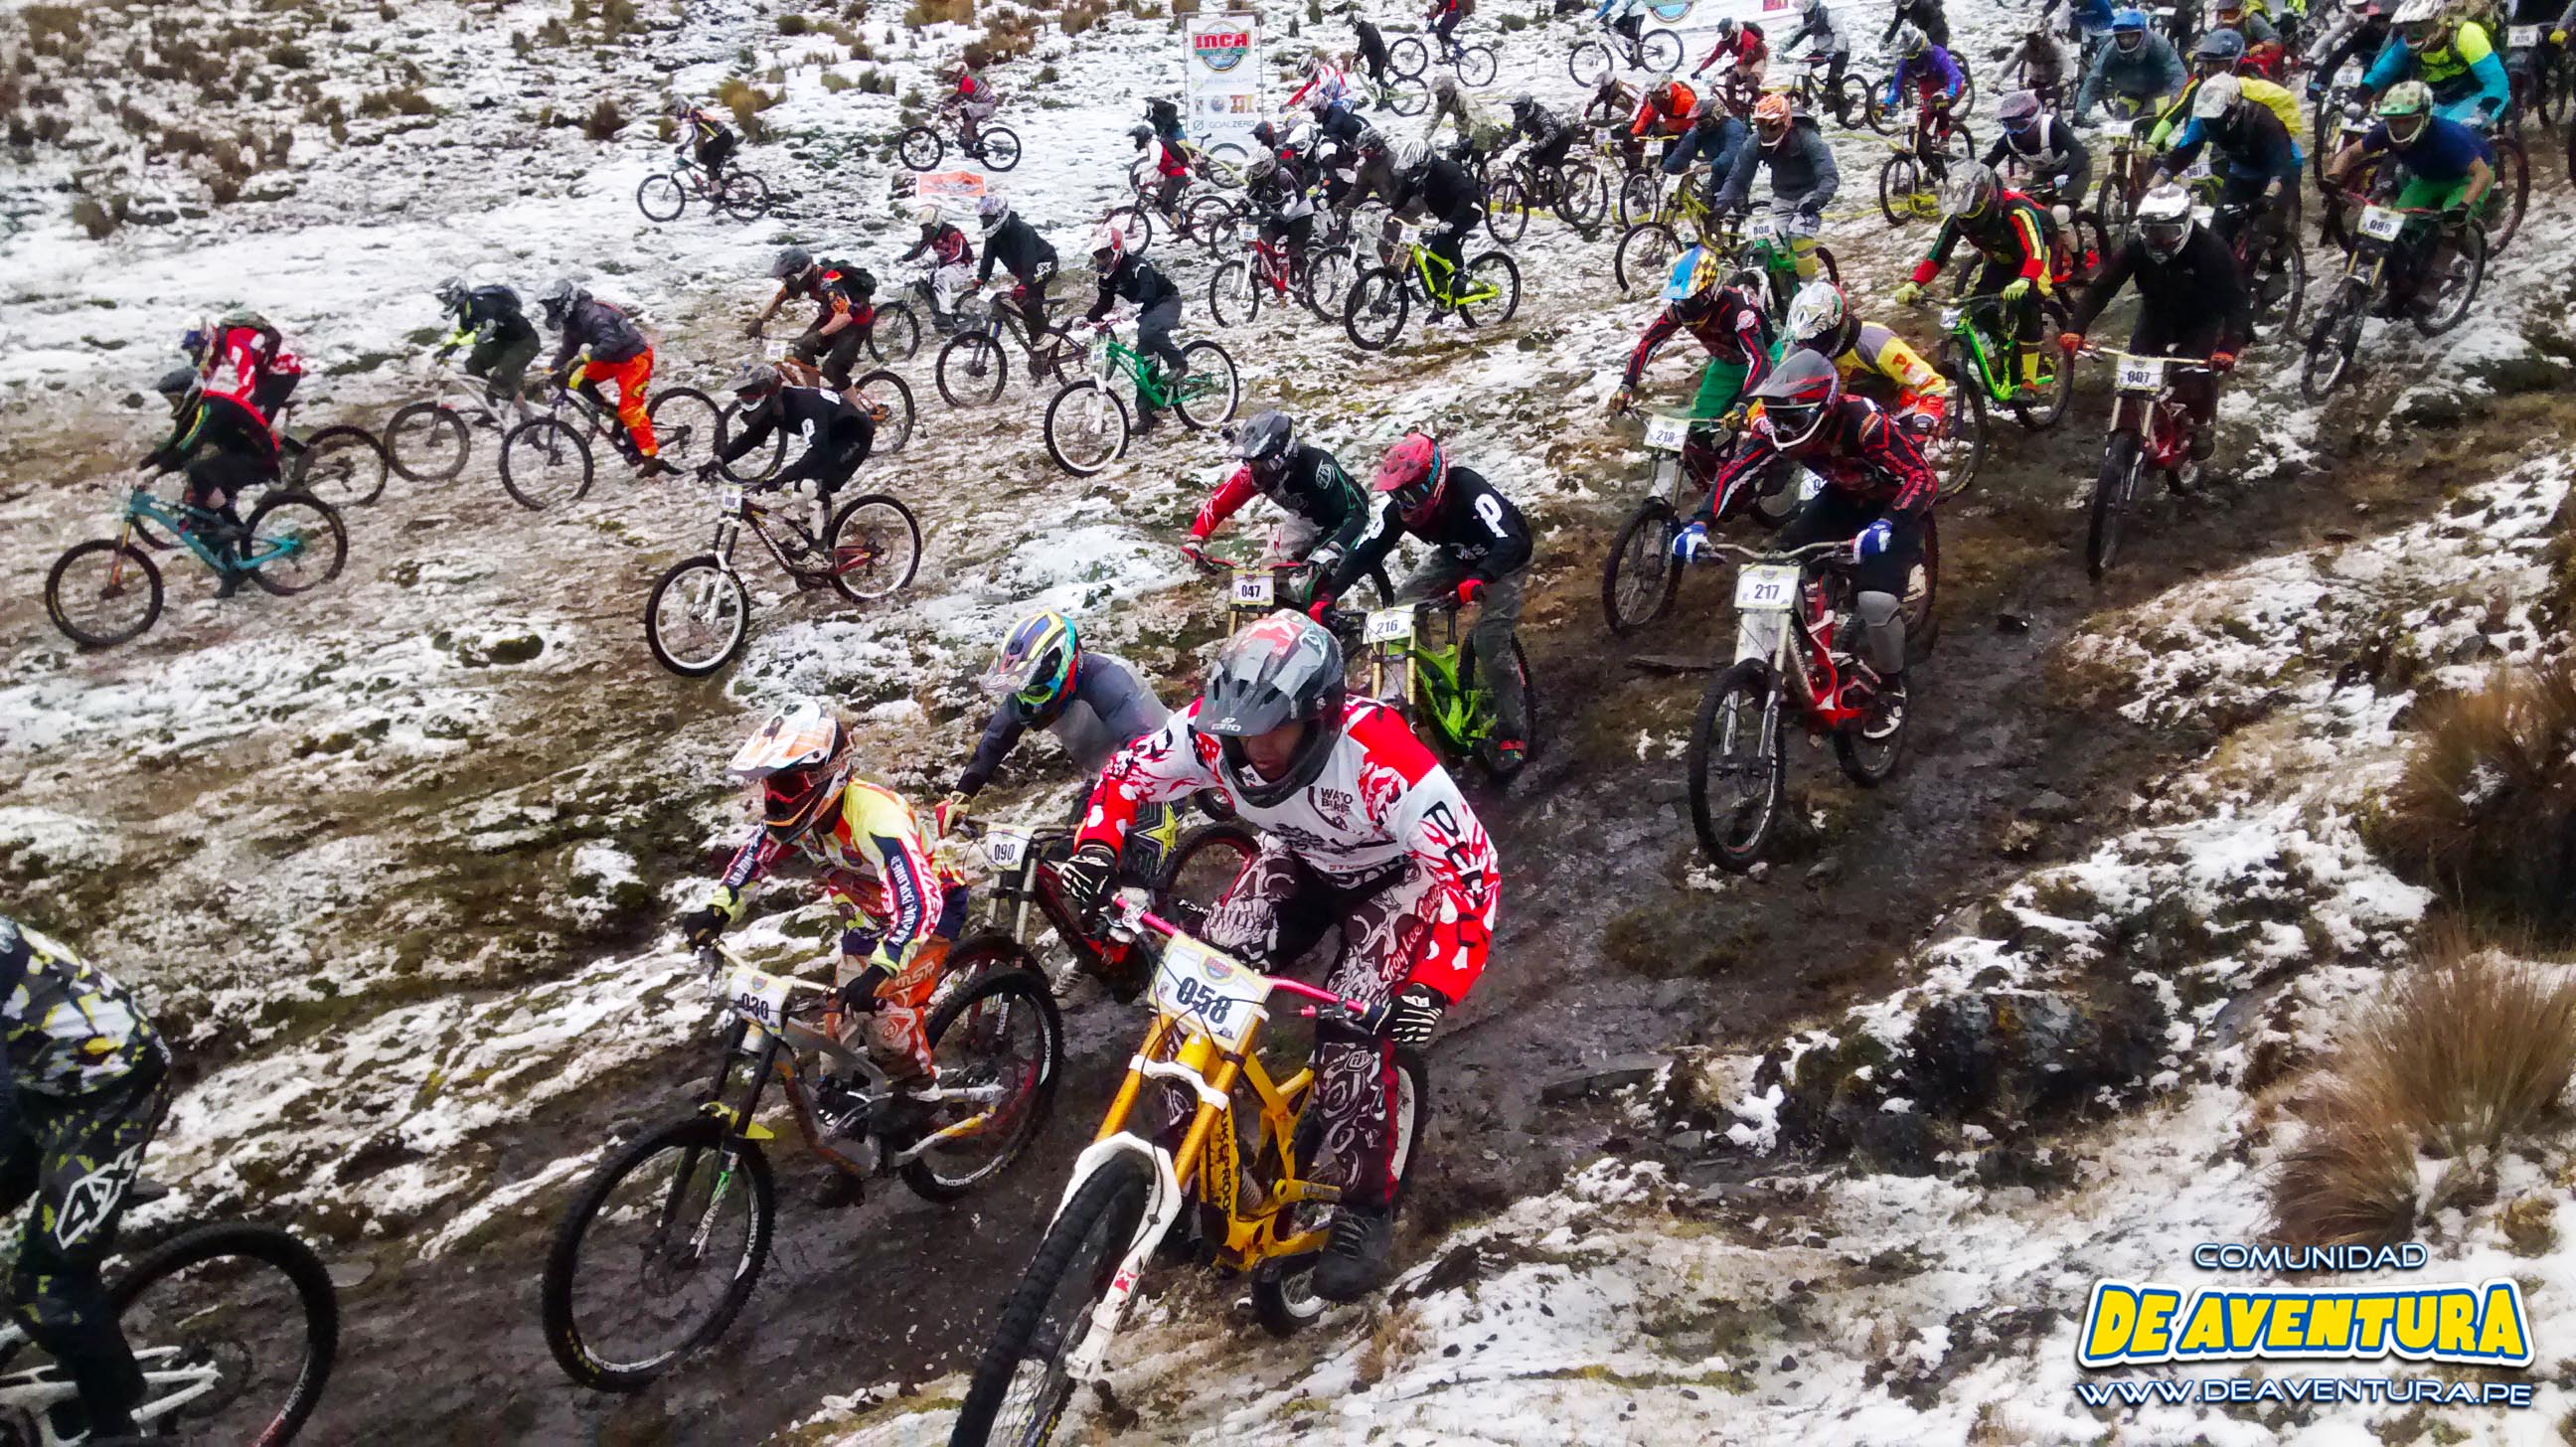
(2486, 809)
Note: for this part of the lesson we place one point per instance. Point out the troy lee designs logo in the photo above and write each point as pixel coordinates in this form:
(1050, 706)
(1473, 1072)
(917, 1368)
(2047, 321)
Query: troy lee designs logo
(1221, 49)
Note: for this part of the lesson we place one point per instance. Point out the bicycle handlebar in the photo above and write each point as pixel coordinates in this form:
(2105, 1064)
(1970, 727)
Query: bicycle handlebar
(2187, 364)
(1358, 1011)
(1812, 552)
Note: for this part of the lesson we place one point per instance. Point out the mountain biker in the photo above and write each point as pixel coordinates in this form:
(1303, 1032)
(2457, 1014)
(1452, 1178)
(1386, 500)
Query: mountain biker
(1665, 110)
(1323, 81)
(1724, 314)
(1171, 166)
(1094, 703)
(1715, 136)
(2361, 35)
(1361, 829)
(899, 913)
(1821, 320)
(1126, 276)
(2191, 302)
(1372, 48)
(1932, 72)
(2259, 161)
(838, 435)
(2220, 53)
(2056, 167)
(241, 356)
(1878, 493)
(1162, 118)
(711, 140)
(1803, 177)
(1443, 17)
(225, 449)
(1479, 134)
(976, 102)
(616, 352)
(1450, 194)
(2016, 240)
(1011, 243)
(2449, 168)
(1287, 213)
(1480, 554)
(1548, 135)
(1741, 48)
(841, 294)
(952, 261)
(2249, 24)
(2138, 66)
(1816, 27)
(504, 341)
(2456, 60)
(1627, 17)
(1924, 15)
(2087, 21)
(1325, 509)
(1371, 173)
(86, 1083)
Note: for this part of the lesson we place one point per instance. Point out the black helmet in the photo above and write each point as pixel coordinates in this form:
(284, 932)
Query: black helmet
(176, 386)
(1372, 141)
(1797, 397)
(1524, 103)
(792, 263)
(1266, 133)
(1140, 134)
(452, 293)
(1285, 669)
(1265, 442)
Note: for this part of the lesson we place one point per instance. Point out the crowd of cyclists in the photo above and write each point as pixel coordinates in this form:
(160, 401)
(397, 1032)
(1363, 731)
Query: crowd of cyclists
(1364, 833)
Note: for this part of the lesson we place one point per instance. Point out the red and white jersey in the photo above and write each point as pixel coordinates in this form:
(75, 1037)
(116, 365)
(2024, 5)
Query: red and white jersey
(238, 357)
(1381, 801)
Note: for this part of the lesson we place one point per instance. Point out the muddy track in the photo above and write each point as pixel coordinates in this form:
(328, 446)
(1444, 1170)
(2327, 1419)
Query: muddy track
(1604, 950)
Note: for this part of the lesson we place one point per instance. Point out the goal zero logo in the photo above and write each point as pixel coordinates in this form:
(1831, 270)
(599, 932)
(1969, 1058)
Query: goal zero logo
(1221, 49)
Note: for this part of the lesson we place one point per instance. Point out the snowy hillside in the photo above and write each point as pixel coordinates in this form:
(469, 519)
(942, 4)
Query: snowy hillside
(394, 861)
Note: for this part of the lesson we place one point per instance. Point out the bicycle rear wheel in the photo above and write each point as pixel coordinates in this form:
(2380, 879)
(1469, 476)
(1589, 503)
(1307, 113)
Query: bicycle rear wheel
(343, 466)
(887, 398)
(998, 148)
(1002, 1041)
(545, 463)
(236, 1327)
(657, 1255)
(1207, 396)
(296, 543)
(758, 464)
(1020, 1388)
(686, 426)
(1475, 65)
(1582, 195)
(696, 617)
(427, 442)
(1408, 57)
(1283, 1293)
(1406, 96)
(876, 547)
(746, 196)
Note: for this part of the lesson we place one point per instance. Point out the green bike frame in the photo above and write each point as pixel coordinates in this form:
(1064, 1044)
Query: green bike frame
(1988, 360)
(1424, 677)
(1149, 380)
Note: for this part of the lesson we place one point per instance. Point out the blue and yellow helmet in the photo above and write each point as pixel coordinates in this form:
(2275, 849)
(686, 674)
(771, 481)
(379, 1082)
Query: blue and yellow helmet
(1693, 282)
(1036, 664)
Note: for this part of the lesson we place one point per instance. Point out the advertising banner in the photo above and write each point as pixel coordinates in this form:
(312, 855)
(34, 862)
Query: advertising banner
(1222, 78)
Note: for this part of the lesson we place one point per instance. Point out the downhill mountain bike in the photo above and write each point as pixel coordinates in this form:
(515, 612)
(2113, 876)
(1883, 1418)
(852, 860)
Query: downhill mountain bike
(1401, 95)
(1086, 423)
(1314, 278)
(974, 366)
(2538, 73)
(663, 195)
(429, 441)
(107, 591)
(1977, 355)
(1220, 165)
(1795, 662)
(1485, 295)
(1198, 214)
(235, 1327)
(2273, 264)
(1228, 1168)
(1653, 49)
(699, 611)
(1845, 99)
(2449, 267)
(1437, 685)
(1909, 180)
(2150, 429)
(1472, 60)
(1187, 873)
(662, 1246)
(1574, 187)
(894, 333)
(884, 396)
(921, 148)
(545, 461)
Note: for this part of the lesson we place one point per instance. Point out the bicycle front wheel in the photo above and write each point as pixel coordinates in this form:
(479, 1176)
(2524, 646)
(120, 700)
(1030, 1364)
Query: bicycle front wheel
(1086, 428)
(1506, 211)
(1590, 64)
(2113, 488)
(887, 398)
(657, 1254)
(696, 617)
(1739, 775)
(919, 148)
(1232, 297)
(1645, 254)
(427, 442)
(1327, 280)
(344, 466)
(1209, 390)
(1900, 185)
(876, 548)
(999, 1048)
(2513, 187)
(661, 197)
(103, 592)
(1640, 577)
(1373, 313)
(895, 335)
(1959, 448)
(296, 543)
(1020, 1389)
(236, 1327)
(545, 463)
(1203, 866)
(972, 370)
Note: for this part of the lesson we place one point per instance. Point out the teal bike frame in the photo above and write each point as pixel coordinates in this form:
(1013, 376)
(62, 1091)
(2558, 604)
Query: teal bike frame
(187, 523)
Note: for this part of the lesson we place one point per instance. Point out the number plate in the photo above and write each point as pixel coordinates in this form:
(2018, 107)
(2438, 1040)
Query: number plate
(1209, 993)
(1763, 228)
(2199, 170)
(1667, 433)
(758, 998)
(733, 502)
(2522, 37)
(1950, 317)
(1766, 588)
(1389, 625)
(2141, 374)
(1006, 847)
(2381, 224)
(1811, 484)
(1253, 592)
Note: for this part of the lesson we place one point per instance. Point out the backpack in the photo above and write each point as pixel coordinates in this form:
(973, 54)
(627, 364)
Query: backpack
(857, 280)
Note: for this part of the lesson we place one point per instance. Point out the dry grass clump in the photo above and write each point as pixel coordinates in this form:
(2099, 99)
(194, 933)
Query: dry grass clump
(606, 120)
(938, 12)
(746, 100)
(1081, 15)
(2486, 810)
(2472, 1050)
(408, 101)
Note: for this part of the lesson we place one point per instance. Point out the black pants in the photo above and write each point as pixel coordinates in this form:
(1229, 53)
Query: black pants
(1154, 338)
(503, 366)
(2243, 189)
(830, 461)
(1373, 55)
(78, 1157)
(270, 392)
(1445, 25)
(1837, 515)
(1031, 296)
(837, 353)
(1551, 155)
(1298, 234)
(2196, 338)
(713, 154)
(218, 477)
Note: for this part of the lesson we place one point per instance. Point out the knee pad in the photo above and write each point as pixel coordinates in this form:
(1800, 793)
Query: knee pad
(1884, 630)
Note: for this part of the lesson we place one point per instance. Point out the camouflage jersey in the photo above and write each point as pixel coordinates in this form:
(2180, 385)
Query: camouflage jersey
(70, 1029)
